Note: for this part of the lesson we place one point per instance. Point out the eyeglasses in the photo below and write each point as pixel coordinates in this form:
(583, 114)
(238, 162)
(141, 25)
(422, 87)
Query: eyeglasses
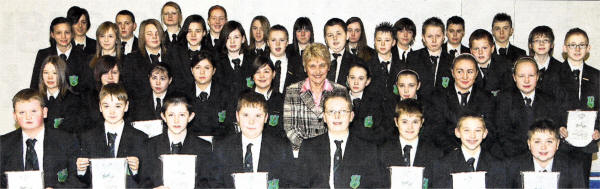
(342, 113)
(543, 41)
(575, 46)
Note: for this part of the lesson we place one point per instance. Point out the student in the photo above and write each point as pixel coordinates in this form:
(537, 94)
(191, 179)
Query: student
(405, 37)
(408, 84)
(127, 25)
(471, 130)
(217, 17)
(106, 71)
(233, 57)
(432, 64)
(357, 40)
(451, 103)
(258, 40)
(543, 144)
(517, 109)
(64, 105)
(494, 71)
(408, 148)
(194, 29)
(335, 36)
(148, 106)
(581, 83)
(368, 123)
(455, 31)
(60, 44)
(264, 73)
(55, 148)
(338, 159)
(288, 66)
(252, 150)
(176, 114)
(211, 100)
(383, 64)
(502, 28)
(80, 21)
(108, 42)
(112, 138)
(302, 107)
(303, 35)
(541, 48)
(171, 17)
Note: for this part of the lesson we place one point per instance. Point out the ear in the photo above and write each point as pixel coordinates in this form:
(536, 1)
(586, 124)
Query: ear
(418, 85)
(266, 117)
(456, 133)
(393, 42)
(126, 106)
(170, 80)
(485, 132)
(134, 27)
(514, 77)
(45, 112)
(237, 116)
(352, 115)
(162, 115)
(192, 115)
(243, 39)
(396, 121)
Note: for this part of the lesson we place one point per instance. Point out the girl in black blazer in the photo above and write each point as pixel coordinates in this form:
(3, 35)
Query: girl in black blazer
(171, 17)
(234, 60)
(80, 21)
(194, 29)
(303, 35)
(357, 40)
(264, 73)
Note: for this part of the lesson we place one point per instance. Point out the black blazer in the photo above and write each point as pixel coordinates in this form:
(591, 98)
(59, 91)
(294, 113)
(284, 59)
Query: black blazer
(359, 159)
(257, 52)
(498, 77)
(513, 53)
(168, 42)
(391, 154)
(134, 47)
(420, 62)
(348, 59)
(94, 145)
(274, 124)
(235, 80)
(382, 81)
(59, 154)
(207, 121)
(463, 49)
(159, 145)
(275, 157)
(295, 70)
(90, 45)
(207, 42)
(399, 56)
(548, 79)
(369, 121)
(570, 171)
(364, 53)
(142, 107)
(67, 112)
(77, 73)
(454, 162)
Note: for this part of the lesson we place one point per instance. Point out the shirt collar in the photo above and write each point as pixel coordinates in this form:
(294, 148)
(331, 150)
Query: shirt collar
(381, 59)
(275, 59)
(117, 130)
(538, 168)
(414, 143)
(327, 86)
(48, 94)
(531, 96)
(67, 53)
(84, 42)
(198, 90)
(431, 54)
(580, 67)
(39, 137)
(456, 88)
(498, 46)
(468, 156)
(190, 47)
(267, 95)
(162, 97)
(343, 138)
(359, 95)
(341, 53)
(546, 64)
(262, 47)
(255, 141)
(172, 138)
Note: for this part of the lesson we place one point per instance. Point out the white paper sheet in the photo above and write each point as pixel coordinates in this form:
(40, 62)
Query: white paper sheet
(580, 126)
(25, 179)
(179, 171)
(150, 127)
(250, 180)
(108, 172)
(406, 177)
(469, 180)
(540, 180)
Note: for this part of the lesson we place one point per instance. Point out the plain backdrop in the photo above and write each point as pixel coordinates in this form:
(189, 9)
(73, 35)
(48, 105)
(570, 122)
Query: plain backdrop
(25, 23)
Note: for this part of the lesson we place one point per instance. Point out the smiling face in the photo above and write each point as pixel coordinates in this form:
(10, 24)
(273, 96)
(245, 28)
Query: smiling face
(317, 69)
(177, 117)
(264, 77)
(407, 86)
(216, 20)
(526, 76)
(234, 41)
(455, 33)
(113, 109)
(303, 36)
(384, 42)
(80, 28)
(257, 31)
(433, 38)
(195, 33)
(159, 81)
(354, 32)
(502, 31)
(338, 114)
(409, 125)
(278, 41)
(203, 72)
(50, 76)
(543, 145)
(541, 45)
(357, 79)
(108, 40)
(111, 76)
(464, 73)
(482, 50)
(126, 26)
(61, 33)
(30, 114)
(152, 40)
(471, 133)
(251, 120)
(170, 16)
(335, 37)
(576, 54)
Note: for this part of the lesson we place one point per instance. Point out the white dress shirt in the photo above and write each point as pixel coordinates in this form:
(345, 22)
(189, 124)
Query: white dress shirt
(38, 147)
(256, 142)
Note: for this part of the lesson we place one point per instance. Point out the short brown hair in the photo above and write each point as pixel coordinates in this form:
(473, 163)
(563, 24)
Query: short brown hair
(115, 90)
(27, 95)
(314, 51)
(249, 98)
(470, 115)
(409, 106)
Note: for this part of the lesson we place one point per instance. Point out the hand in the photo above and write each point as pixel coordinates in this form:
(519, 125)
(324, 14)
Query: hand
(82, 164)
(563, 132)
(162, 187)
(133, 162)
(596, 135)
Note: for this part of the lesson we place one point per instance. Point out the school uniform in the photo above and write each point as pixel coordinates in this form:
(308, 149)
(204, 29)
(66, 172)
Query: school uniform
(262, 51)
(274, 124)
(291, 71)
(191, 145)
(422, 154)
(513, 118)
(131, 142)
(90, 102)
(548, 77)
(384, 76)
(294, 50)
(130, 46)
(496, 77)
(65, 112)
(433, 75)
(209, 43)
(144, 107)
(365, 53)
(236, 78)
(512, 53)
(369, 122)
(88, 48)
(570, 174)
(339, 72)
(400, 54)
(271, 154)
(456, 162)
(171, 39)
(215, 114)
(454, 52)
(77, 72)
(55, 152)
(358, 167)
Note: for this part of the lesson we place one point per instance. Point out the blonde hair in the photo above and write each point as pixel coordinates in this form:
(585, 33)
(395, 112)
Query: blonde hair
(115, 90)
(103, 29)
(142, 37)
(174, 5)
(316, 51)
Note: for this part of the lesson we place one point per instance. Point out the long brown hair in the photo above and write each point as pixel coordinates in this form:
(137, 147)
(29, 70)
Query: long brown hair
(61, 67)
(142, 37)
(103, 29)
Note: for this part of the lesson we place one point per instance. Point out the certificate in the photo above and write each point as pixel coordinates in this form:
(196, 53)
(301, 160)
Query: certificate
(108, 172)
(150, 127)
(469, 180)
(25, 179)
(250, 180)
(535, 180)
(580, 126)
(179, 171)
(406, 177)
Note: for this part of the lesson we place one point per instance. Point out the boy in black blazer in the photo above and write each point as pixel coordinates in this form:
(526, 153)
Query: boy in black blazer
(455, 31)
(541, 48)
(114, 137)
(543, 144)
(493, 70)
(335, 36)
(288, 66)
(471, 130)
(127, 25)
(55, 149)
(338, 159)
(252, 150)
(383, 65)
(405, 37)
(502, 28)
(408, 149)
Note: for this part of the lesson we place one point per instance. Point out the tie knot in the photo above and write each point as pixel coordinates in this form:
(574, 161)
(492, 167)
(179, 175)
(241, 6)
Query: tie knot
(236, 61)
(407, 149)
(464, 94)
(51, 99)
(277, 64)
(30, 142)
(249, 146)
(111, 137)
(154, 58)
(174, 36)
(576, 73)
(63, 56)
(471, 161)
(338, 143)
(453, 52)
(203, 96)
(216, 41)
(176, 147)
(123, 43)
(80, 46)
(527, 101)
(353, 50)
(157, 100)
(502, 51)
(336, 55)
(434, 59)
(385, 63)
(356, 102)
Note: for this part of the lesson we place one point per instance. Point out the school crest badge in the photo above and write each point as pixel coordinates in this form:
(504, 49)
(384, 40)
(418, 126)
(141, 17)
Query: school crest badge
(495, 93)
(425, 183)
(62, 175)
(396, 92)
(590, 102)
(273, 184)
(445, 81)
(73, 80)
(249, 82)
(273, 120)
(368, 121)
(354, 181)
(222, 115)
(57, 122)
